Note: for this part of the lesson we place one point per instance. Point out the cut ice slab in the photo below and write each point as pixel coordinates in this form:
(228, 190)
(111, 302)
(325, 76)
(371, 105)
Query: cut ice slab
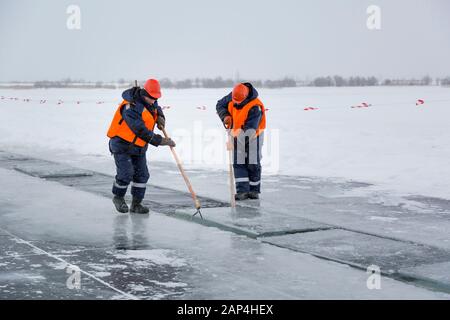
(361, 250)
(436, 273)
(252, 222)
(96, 183)
(5, 156)
(44, 169)
(85, 182)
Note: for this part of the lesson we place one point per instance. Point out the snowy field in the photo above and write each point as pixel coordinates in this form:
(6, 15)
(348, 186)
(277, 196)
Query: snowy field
(313, 222)
(393, 144)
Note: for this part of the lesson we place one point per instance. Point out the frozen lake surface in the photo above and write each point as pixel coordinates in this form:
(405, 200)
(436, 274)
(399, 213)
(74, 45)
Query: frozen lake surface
(349, 188)
(310, 246)
(393, 144)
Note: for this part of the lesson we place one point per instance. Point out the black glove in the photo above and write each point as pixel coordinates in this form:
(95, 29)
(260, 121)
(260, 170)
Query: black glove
(167, 142)
(154, 140)
(161, 123)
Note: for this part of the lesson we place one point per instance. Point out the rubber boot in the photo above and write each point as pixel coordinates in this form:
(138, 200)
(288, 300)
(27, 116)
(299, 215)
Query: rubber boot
(241, 196)
(253, 195)
(137, 207)
(120, 204)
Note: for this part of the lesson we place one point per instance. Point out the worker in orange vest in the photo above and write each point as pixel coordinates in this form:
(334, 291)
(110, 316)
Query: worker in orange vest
(243, 113)
(130, 132)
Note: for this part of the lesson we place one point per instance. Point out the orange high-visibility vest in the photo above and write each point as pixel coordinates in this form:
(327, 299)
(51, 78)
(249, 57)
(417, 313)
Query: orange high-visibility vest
(239, 116)
(119, 127)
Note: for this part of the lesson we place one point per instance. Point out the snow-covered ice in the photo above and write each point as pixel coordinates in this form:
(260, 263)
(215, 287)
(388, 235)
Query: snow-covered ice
(370, 182)
(394, 143)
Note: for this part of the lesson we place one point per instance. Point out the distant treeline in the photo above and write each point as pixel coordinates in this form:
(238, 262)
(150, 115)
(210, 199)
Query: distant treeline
(226, 83)
(219, 82)
(68, 83)
(167, 83)
(338, 81)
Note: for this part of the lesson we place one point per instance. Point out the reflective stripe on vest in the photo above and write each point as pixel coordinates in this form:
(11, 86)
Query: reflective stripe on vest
(119, 127)
(239, 116)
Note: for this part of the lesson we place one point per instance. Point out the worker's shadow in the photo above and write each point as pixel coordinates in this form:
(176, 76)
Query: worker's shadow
(130, 232)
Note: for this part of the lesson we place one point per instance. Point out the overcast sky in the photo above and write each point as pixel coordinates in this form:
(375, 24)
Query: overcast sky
(205, 38)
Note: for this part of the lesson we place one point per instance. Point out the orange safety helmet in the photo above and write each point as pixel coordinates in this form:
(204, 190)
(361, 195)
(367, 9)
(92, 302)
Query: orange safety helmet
(240, 93)
(153, 88)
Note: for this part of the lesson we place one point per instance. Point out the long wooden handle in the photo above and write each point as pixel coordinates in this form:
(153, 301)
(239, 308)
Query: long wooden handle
(183, 173)
(231, 173)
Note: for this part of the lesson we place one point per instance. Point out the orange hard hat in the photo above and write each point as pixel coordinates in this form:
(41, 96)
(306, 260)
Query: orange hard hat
(240, 93)
(153, 88)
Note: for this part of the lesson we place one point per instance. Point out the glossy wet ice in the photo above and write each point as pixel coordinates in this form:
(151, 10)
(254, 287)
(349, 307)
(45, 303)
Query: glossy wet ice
(278, 248)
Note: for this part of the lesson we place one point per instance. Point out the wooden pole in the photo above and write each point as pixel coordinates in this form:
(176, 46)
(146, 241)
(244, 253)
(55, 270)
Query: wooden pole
(185, 177)
(231, 171)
